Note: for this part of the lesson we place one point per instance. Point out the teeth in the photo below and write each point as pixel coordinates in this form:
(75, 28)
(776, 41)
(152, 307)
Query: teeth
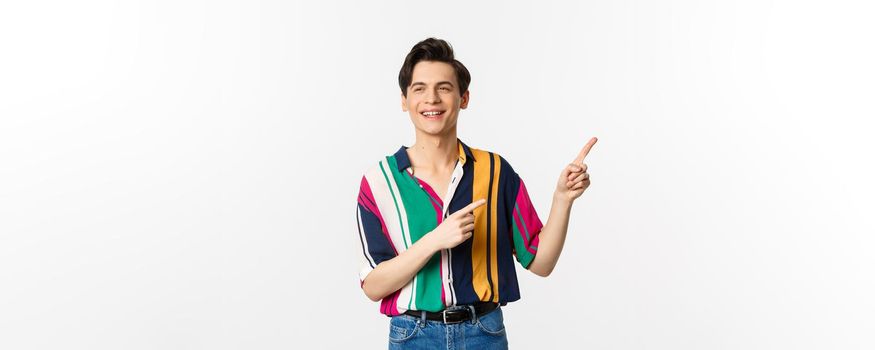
(430, 113)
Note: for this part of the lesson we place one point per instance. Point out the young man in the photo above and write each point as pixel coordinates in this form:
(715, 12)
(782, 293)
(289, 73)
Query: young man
(441, 223)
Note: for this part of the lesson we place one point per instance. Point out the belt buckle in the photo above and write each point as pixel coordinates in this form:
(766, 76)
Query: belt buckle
(444, 314)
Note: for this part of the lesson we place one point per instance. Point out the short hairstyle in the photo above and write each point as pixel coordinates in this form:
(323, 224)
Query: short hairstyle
(432, 49)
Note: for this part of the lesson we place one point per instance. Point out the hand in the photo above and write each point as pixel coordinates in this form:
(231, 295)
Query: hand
(574, 179)
(456, 228)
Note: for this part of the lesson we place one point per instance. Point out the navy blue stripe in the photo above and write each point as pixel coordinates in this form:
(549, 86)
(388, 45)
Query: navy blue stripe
(357, 222)
(508, 285)
(378, 245)
(462, 268)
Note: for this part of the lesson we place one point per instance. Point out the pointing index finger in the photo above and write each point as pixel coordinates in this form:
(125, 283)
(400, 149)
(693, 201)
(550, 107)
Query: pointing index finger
(470, 207)
(585, 150)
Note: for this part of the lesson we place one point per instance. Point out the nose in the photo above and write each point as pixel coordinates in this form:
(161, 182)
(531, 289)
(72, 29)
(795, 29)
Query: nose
(432, 96)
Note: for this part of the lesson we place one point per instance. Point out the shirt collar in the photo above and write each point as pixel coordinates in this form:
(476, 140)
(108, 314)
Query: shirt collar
(404, 161)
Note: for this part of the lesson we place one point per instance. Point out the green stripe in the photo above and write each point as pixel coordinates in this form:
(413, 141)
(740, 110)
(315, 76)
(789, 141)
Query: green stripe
(401, 220)
(421, 219)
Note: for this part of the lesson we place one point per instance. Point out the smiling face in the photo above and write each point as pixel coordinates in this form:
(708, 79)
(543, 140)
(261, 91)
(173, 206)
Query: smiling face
(433, 100)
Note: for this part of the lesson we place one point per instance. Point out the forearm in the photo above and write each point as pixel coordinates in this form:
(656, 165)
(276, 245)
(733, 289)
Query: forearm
(392, 274)
(552, 237)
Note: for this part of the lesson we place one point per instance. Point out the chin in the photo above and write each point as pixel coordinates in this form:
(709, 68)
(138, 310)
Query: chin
(433, 131)
(432, 128)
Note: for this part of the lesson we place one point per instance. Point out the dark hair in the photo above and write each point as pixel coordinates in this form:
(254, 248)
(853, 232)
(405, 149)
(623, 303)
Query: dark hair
(432, 49)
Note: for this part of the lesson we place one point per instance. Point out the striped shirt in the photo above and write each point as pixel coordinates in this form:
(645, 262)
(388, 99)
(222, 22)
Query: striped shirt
(395, 209)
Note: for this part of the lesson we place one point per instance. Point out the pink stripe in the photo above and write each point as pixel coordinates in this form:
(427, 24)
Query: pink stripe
(365, 190)
(394, 310)
(389, 305)
(366, 197)
(533, 223)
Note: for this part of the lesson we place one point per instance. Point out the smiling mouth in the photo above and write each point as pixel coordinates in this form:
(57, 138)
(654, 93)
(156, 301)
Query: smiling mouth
(432, 114)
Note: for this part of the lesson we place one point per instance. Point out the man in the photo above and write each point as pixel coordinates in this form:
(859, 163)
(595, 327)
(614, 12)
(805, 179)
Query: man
(441, 223)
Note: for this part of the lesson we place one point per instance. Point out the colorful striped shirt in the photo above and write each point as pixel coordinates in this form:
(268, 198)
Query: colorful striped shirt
(395, 209)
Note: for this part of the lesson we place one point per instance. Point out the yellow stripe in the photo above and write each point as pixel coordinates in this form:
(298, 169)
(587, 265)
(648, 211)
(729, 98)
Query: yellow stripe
(494, 234)
(478, 241)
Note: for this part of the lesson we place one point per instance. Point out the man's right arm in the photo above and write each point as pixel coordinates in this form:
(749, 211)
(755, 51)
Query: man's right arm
(391, 275)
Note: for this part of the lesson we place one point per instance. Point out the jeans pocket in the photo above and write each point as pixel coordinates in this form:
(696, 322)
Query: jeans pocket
(492, 323)
(402, 328)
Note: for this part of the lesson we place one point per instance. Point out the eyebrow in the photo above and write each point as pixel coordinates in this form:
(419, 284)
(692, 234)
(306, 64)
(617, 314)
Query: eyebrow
(438, 83)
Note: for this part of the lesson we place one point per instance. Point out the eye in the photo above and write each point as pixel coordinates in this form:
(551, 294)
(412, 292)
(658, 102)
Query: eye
(445, 89)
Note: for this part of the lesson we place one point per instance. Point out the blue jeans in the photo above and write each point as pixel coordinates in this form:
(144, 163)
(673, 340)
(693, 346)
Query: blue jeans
(486, 332)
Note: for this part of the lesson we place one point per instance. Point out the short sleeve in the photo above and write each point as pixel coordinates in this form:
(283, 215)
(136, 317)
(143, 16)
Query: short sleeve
(376, 246)
(525, 224)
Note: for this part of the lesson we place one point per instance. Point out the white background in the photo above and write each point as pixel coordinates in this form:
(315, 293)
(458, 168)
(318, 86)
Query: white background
(183, 175)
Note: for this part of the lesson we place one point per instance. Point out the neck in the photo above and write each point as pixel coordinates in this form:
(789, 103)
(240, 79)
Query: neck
(434, 152)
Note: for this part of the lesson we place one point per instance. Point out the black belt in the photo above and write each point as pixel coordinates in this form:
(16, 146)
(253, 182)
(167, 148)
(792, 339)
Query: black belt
(455, 315)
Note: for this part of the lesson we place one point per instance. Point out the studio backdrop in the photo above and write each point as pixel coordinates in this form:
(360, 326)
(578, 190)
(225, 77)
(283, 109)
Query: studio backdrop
(183, 174)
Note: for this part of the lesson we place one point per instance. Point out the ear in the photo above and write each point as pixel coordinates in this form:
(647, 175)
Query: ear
(465, 97)
(403, 102)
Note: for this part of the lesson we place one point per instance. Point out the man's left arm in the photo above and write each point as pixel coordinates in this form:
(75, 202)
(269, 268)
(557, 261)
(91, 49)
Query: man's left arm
(572, 182)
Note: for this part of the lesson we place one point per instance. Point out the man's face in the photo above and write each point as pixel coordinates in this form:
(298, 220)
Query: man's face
(433, 88)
